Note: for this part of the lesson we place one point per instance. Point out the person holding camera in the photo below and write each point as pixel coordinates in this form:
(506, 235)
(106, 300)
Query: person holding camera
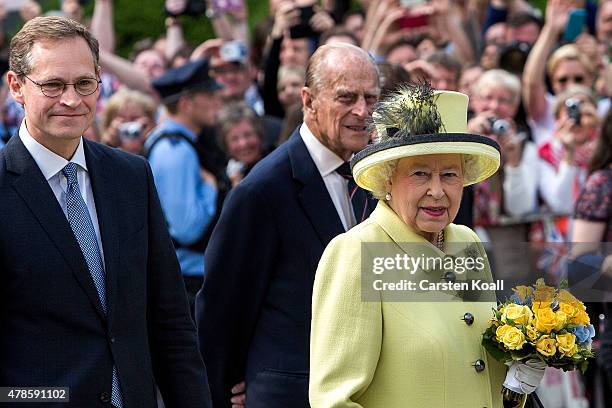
(563, 161)
(127, 119)
(496, 99)
(566, 66)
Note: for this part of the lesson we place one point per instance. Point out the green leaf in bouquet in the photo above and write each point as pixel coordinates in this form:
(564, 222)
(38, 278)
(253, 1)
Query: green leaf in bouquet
(583, 366)
(494, 350)
(520, 354)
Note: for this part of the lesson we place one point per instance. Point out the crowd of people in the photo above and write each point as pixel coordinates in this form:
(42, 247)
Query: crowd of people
(245, 135)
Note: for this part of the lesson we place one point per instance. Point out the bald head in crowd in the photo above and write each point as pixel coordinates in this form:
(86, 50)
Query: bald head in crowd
(341, 88)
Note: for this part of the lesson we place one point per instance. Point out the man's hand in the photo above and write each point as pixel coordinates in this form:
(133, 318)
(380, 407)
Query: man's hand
(239, 395)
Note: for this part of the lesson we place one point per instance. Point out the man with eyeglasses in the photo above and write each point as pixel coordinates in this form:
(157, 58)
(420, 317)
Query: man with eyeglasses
(91, 297)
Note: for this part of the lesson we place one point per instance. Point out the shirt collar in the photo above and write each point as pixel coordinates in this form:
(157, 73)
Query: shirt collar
(49, 163)
(325, 160)
(172, 126)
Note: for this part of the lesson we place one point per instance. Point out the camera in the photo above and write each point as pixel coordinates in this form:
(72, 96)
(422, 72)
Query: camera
(499, 127)
(235, 51)
(573, 109)
(130, 130)
(513, 57)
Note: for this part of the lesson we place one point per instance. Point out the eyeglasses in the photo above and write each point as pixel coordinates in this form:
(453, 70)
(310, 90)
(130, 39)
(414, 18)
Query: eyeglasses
(577, 79)
(55, 88)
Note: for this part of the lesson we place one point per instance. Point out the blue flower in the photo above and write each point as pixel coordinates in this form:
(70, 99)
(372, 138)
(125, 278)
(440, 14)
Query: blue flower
(584, 334)
(517, 300)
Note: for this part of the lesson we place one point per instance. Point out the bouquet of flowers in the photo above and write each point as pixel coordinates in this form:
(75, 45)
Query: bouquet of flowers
(540, 326)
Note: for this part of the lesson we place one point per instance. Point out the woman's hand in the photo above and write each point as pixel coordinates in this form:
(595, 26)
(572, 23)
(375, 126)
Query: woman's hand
(557, 14)
(511, 144)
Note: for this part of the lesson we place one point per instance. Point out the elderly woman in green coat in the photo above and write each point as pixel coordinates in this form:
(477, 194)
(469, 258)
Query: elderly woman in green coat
(402, 332)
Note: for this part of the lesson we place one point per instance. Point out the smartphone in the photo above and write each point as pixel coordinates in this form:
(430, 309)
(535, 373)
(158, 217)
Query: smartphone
(303, 29)
(575, 25)
(414, 21)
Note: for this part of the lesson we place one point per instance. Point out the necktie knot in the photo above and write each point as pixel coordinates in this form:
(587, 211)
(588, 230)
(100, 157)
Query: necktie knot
(345, 171)
(70, 172)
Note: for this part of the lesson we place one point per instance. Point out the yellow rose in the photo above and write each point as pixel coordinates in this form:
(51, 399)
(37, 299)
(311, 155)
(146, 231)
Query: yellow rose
(568, 309)
(532, 333)
(545, 320)
(561, 319)
(546, 346)
(581, 317)
(566, 343)
(519, 314)
(536, 305)
(500, 332)
(512, 338)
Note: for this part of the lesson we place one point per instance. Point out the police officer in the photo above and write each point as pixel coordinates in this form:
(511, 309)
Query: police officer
(187, 188)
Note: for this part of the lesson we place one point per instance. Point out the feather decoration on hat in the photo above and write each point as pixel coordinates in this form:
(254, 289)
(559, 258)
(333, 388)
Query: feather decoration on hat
(410, 110)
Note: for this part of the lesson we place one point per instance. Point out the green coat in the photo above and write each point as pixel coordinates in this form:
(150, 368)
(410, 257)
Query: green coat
(390, 354)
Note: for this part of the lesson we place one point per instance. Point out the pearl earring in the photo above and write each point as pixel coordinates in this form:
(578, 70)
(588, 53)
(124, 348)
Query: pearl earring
(388, 196)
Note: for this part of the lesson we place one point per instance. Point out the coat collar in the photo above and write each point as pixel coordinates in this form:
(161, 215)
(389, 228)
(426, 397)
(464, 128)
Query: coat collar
(313, 195)
(407, 238)
(34, 190)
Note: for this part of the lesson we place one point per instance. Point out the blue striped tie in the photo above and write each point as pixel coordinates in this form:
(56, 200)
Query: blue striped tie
(83, 229)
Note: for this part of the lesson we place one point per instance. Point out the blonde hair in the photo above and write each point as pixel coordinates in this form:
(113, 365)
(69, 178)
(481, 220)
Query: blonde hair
(568, 52)
(123, 97)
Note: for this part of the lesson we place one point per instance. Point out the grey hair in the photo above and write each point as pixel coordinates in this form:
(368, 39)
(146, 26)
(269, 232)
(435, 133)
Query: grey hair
(381, 176)
(316, 76)
(498, 77)
(232, 114)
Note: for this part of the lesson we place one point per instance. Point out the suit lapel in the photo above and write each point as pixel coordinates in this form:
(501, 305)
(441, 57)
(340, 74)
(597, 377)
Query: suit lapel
(313, 196)
(34, 190)
(103, 184)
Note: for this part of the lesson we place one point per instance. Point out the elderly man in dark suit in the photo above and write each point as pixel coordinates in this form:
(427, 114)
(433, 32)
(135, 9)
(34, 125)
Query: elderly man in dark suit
(254, 308)
(91, 296)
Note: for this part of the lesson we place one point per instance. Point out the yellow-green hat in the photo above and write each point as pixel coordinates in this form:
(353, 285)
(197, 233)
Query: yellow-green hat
(417, 121)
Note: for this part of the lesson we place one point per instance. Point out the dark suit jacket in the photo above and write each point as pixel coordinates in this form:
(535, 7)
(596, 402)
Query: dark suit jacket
(53, 331)
(254, 309)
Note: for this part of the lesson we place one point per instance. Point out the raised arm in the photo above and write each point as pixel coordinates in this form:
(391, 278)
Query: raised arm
(126, 72)
(102, 24)
(534, 88)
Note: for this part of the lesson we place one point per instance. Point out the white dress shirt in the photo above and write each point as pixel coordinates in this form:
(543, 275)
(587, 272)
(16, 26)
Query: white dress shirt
(327, 162)
(51, 166)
